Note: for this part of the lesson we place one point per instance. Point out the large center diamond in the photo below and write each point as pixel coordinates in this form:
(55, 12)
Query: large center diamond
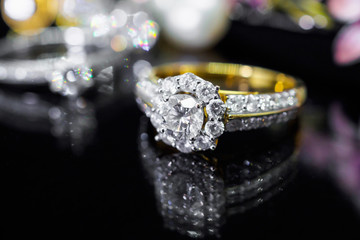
(184, 118)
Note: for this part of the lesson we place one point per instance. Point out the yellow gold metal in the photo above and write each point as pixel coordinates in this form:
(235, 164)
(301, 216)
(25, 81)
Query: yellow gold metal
(237, 79)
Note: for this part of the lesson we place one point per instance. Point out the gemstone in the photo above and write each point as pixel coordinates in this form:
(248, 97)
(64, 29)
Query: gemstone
(214, 128)
(156, 101)
(184, 146)
(191, 85)
(292, 93)
(187, 82)
(183, 81)
(206, 92)
(156, 120)
(252, 104)
(168, 138)
(284, 99)
(264, 102)
(184, 118)
(236, 103)
(216, 107)
(291, 101)
(168, 85)
(202, 143)
(275, 101)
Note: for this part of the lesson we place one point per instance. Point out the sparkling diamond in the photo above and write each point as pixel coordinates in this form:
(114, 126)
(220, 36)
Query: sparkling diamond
(202, 143)
(264, 102)
(214, 128)
(168, 85)
(188, 82)
(191, 85)
(284, 99)
(216, 107)
(275, 101)
(236, 103)
(156, 101)
(168, 138)
(185, 79)
(206, 92)
(292, 101)
(184, 146)
(292, 93)
(184, 118)
(252, 104)
(156, 120)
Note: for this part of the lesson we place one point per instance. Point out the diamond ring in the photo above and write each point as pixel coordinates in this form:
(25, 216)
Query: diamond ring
(191, 113)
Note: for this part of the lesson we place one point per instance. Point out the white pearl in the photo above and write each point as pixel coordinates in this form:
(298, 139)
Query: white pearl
(192, 24)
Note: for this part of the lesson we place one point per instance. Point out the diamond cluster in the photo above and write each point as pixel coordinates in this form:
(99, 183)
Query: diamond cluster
(256, 103)
(187, 113)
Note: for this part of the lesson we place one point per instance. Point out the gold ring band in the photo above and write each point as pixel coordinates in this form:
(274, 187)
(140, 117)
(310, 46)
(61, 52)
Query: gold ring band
(237, 79)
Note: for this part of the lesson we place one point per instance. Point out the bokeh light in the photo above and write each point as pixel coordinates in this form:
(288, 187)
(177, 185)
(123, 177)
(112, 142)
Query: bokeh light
(100, 25)
(118, 43)
(29, 17)
(306, 22)
(12, 9)
(345, 10)
(74, 36)
(192, 24)
(146, 36)
(118, 18)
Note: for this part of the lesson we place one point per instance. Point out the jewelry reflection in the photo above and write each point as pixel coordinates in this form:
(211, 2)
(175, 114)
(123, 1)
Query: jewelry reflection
(196, 192)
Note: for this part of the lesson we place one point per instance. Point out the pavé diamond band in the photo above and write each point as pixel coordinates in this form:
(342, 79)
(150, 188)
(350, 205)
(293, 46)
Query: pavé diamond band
(190, 113)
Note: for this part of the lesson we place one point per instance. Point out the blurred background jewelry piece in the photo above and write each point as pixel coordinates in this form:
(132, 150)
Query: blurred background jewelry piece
(191, 105)
(65, 58)
(90, 36)
(71, 121)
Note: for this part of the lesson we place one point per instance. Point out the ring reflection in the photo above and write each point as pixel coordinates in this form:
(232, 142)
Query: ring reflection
(195, 193)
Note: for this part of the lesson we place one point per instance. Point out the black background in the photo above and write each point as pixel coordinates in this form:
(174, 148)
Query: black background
(49, 192)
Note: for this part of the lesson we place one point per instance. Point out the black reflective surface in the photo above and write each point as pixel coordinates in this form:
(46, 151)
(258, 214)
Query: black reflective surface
(92, 180)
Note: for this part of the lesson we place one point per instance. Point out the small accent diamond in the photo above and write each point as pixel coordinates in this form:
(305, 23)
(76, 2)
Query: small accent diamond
(168, 85)
(206, 91)
(236, 103)
(275, 101)
(157, 120)
(216, 107)
(214, 128)
(202, 142)
(264, 102)
(252, 104)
